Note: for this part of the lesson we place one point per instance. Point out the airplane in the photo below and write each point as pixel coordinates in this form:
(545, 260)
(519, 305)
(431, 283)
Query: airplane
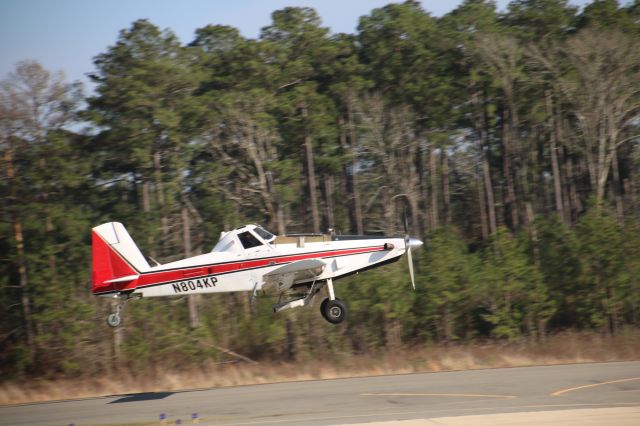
(250, 259)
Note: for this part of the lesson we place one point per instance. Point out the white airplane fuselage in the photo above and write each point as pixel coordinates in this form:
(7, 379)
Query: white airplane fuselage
(233, 268)
(229, 272)
(245, 259)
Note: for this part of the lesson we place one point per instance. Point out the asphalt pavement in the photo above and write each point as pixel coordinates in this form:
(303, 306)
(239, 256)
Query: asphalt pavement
(595, 393)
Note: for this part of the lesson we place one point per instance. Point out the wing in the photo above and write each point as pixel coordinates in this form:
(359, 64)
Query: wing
(282, 278)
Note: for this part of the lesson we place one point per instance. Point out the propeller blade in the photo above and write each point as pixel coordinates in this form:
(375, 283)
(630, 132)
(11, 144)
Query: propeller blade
(408, 243)
(410, 260)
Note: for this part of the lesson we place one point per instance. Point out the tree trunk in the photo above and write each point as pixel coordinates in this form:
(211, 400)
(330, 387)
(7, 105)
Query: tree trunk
(446, 193)
(576, 205)
(481, 124)
(630, 191)
(146, 202)
(484, 228)
(413, 198)
(282, 229)
(603, 175)
(328, 191)
(425, 222)
(566, 194)
(564, 148)
(25, 299)
(311, 173)
(488, 186)
(251, 142)
(279, 207)
(18, 234)
(507, 152)
(434, 187)
(160, 199)
(553, 148)
(617, 187)
(146, 208)
(192, 300)
(390, 215)
(355, 187)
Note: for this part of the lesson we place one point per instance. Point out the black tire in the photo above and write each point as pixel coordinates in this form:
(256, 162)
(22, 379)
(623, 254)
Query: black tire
(323, 306)
(113, 320)
(334, 311)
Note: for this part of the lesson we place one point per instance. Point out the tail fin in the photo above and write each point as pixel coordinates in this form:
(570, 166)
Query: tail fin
(117, 261)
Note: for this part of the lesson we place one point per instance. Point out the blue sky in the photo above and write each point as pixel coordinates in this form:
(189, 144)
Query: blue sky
(66, 34)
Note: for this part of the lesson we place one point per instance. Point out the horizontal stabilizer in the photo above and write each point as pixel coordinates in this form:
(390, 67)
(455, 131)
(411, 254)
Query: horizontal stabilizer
(123, 279)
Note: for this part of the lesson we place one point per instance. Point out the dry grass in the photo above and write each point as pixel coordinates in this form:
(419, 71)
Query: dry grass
(559, 349)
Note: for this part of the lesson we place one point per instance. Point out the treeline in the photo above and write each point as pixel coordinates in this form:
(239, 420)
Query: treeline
(509, 139)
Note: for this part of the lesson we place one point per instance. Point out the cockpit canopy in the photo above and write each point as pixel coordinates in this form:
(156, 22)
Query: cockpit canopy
(266, 235)
(244, 238)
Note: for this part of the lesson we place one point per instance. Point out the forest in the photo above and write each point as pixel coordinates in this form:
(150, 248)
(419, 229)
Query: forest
(509, 139)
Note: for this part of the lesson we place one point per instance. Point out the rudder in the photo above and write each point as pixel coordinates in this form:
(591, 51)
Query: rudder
(117, 261)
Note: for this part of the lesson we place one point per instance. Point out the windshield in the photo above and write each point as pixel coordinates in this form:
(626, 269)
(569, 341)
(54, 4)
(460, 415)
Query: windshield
(266, 235)
(248, 240)
(226, 243)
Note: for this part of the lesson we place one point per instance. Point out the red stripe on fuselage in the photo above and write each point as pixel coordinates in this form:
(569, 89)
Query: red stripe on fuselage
(148, 279)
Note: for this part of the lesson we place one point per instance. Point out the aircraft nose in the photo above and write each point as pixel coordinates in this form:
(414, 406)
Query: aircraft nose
(415, 243)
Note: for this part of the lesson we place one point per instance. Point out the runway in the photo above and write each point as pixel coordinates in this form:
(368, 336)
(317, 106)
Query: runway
(609, 392)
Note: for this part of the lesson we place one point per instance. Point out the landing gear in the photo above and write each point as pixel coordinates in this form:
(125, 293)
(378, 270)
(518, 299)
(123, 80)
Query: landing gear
(334, 311)
(114, 319)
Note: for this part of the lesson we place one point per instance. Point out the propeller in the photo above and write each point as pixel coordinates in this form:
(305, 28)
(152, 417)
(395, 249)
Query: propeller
(409, 243)
(410, 260)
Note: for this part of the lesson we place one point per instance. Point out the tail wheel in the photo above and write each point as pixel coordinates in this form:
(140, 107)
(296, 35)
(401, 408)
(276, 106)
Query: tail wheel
(113, 320)
(334, 311)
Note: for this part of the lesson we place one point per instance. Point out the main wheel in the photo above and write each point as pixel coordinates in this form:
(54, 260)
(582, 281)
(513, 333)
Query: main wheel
(113, 320)
(323, 306)
(334, 311)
